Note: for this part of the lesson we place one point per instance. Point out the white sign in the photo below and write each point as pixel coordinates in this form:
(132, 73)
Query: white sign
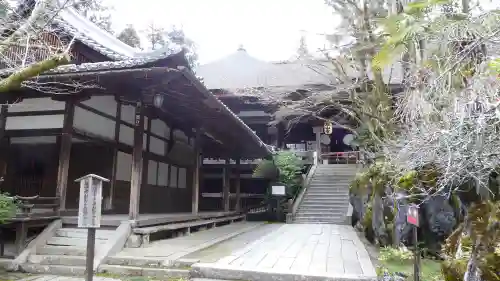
(89, 208)
(412, 215)
(278, 190)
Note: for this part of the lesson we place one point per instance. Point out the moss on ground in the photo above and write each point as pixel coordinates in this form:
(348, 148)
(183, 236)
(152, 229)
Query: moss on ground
(430, 269)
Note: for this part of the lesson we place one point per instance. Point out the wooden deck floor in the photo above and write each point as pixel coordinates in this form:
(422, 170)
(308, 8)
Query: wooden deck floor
(152, 219)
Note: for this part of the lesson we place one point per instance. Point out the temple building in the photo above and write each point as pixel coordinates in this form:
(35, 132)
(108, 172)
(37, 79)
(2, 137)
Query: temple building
(257, 92)
(140, 119)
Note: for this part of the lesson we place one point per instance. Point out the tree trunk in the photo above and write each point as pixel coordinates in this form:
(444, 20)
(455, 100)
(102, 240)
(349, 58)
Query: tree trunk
(15, 80)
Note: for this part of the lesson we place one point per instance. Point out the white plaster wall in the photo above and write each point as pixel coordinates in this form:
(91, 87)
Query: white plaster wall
(126, 135)
(33, 140)
(152, 172)
(93, 123)
(105, 104)
(34, 122)
(182, 178)
(158, 127)
(128, 114)
(37, 104)
(163, 174)
(173, 176)
(157, 146)
(123, 166)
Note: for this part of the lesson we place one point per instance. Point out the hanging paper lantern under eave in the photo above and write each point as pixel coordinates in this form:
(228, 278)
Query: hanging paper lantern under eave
(328, 127)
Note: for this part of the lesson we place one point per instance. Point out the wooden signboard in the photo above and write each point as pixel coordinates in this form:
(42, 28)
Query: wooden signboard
(89, 215)
(90, 203)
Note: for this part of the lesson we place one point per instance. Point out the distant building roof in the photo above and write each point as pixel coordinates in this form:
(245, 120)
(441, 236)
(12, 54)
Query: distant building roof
(240, 70)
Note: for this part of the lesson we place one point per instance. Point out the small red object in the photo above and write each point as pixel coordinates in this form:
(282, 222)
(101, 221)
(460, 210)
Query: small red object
(412, 215)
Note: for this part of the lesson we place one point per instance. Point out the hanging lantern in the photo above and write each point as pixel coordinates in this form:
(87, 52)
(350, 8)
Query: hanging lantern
(158, 100)
(328, 127)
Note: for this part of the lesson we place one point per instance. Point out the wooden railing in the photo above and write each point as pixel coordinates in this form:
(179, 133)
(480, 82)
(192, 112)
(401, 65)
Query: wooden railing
(348, 157)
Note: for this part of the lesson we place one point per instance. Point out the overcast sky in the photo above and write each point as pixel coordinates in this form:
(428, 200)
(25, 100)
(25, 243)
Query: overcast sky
(268, 29)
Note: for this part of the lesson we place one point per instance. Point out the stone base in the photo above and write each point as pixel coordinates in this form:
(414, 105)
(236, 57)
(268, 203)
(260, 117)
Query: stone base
(215, 271)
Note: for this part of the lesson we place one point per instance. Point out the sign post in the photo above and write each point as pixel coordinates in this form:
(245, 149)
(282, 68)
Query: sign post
(413, 218)
(89, 215)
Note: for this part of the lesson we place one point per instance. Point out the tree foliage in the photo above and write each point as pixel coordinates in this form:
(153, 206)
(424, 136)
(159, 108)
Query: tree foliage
(96, 11)
(130, 36)
(284, 167)
(8, 208)
(173, 38)
(24, 47)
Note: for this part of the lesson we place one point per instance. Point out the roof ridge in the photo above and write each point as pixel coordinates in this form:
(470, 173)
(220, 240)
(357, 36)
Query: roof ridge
(95, 37)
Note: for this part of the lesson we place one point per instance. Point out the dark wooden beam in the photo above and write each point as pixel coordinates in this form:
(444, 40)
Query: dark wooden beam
(237, 206)
(196, 173)
(3, 121)
(64, 153)
(135, 179)
(226, 185)
(115, 155)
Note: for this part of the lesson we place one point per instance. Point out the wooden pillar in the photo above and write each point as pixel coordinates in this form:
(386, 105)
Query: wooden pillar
(317, 131)
(64, 153)
(226, 185)
(3, 121)
(237, 206)
(136, 177)
(109, 203)
(3, 158)
(195, 201)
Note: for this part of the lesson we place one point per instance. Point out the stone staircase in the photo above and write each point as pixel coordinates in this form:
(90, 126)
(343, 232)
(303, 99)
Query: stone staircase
(157, 268)
(64, 253)
(326, 200)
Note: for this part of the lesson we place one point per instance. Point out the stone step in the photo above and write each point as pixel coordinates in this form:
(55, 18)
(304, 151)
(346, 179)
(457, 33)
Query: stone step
(322, 208)
(316, 215)
(62, 250)
(69, 241)
(324, 200)
(336, 218)
(331, 181)
(328, 190)
(209, 279)
(325, 195)
(82, 233)
(138, 262)
(53, 269)
(57, 260)
(142, 271)
(320, 222)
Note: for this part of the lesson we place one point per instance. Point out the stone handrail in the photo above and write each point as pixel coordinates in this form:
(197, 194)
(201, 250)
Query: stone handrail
(307, 180)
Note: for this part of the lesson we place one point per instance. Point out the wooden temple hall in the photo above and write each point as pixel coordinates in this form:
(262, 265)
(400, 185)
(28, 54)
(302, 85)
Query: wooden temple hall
(140, 119)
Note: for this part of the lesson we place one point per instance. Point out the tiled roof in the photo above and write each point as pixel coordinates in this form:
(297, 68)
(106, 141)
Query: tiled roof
(98, 39)
(95, 66)
(240, 71)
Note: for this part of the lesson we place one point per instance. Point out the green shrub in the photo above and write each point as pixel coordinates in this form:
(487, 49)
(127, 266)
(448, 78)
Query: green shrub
(285, 167)
(395, 254)
(8, 207)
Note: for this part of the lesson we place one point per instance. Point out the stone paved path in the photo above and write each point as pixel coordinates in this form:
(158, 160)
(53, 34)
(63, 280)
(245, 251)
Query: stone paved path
(178, 247)
(320, 250)
(220, 250)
